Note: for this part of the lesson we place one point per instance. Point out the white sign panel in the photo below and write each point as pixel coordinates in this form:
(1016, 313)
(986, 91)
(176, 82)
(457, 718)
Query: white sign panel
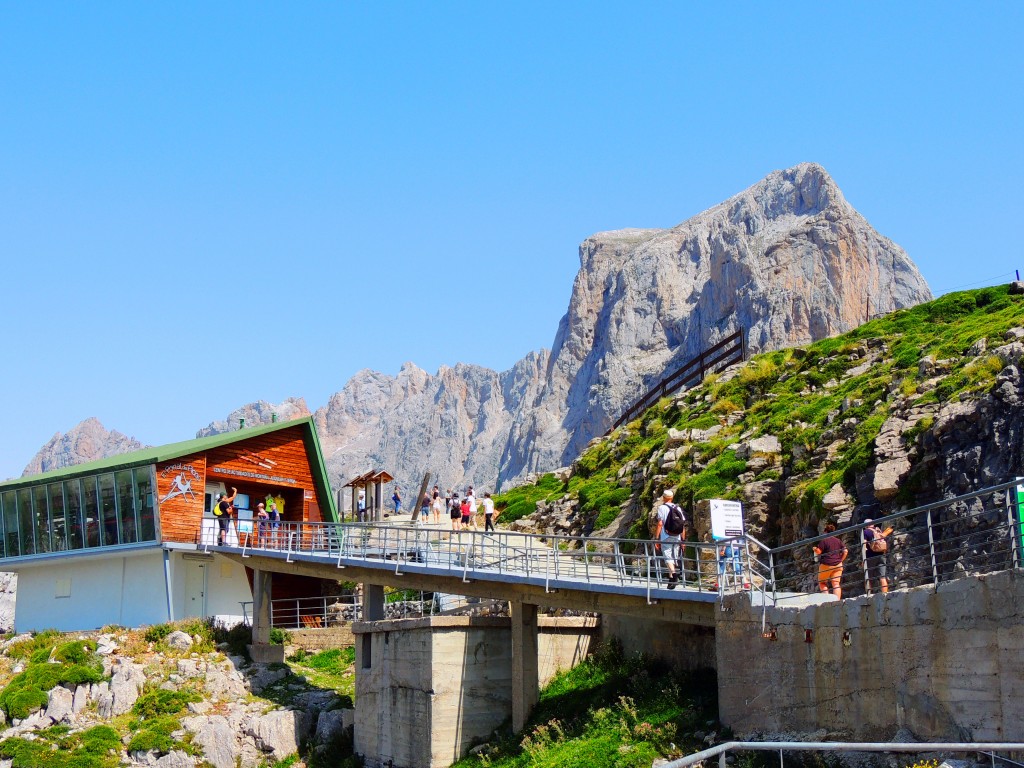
(726, 519)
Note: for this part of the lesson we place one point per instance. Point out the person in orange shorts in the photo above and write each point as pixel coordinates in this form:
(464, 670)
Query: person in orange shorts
(830, 554)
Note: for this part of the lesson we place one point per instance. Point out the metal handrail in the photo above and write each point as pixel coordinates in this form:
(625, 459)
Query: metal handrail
(930, 551)
(721, 750)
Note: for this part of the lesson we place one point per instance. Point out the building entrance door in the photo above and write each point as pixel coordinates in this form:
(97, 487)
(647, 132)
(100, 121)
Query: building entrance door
(195, 589)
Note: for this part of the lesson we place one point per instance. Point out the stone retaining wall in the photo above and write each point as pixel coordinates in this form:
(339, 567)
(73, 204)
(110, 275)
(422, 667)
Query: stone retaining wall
(944, 663)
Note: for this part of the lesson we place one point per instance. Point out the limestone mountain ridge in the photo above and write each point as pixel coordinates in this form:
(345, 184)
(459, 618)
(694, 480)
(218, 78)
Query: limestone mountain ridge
(788, 261)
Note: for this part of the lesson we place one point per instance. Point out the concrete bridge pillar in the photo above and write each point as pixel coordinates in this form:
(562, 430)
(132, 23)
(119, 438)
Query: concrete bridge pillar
(373, 602)
(261, 650)
(525, 682)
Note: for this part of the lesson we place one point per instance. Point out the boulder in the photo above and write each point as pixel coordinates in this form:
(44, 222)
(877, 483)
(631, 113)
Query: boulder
(765, 444)
(888, 476)
(175, 759)
(80, 699)
(280, 732)
(126, 684)
(331, 725)
(179, 641)
(215, 738)
(60, 704)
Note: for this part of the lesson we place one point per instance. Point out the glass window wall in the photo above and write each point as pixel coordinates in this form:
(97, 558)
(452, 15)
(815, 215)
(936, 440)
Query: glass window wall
(73, 512)
(126, 506)
(108, 511)
(58, 521)
(144, 504)
(42, 519)
(93, 511)
(9, 504)
(26, 526)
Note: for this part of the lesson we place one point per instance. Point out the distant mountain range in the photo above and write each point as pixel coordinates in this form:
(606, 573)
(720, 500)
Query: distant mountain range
(788, 261)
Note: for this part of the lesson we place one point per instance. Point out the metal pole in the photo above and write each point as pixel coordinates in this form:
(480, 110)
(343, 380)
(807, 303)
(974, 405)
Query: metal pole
(1014, 519)
(864, 563)
(931, 549)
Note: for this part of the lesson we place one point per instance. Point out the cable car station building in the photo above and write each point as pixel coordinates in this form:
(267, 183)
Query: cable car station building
(116, 541)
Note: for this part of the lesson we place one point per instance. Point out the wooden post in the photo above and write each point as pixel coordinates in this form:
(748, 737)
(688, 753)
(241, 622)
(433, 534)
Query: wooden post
(419, 497)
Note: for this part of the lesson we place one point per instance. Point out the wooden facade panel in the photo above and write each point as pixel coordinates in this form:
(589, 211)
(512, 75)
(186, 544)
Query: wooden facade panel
(179, 491)
(274, 464)
(274, 461)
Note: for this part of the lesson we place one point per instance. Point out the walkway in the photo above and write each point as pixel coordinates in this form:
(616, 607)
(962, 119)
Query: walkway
(975, 533)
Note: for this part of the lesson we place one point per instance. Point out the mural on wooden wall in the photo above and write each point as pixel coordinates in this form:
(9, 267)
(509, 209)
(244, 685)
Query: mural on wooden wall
(180, 485)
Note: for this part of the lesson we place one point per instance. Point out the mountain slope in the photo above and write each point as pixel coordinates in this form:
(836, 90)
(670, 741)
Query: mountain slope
(913, 407)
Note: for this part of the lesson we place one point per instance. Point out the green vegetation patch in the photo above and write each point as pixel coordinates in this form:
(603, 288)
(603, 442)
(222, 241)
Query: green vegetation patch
(98, 747)
(331, 669)
(50, 665)
(522, 500)
(609, 711)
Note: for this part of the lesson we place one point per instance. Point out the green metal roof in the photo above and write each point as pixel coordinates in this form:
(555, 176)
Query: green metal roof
(164, 453)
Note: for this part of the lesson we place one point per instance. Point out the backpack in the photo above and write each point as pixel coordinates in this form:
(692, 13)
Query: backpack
(217, 511)
(878, 544)
(675, 520)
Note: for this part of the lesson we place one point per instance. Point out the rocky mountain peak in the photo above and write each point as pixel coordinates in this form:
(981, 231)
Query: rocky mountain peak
(254, 414)
(787, 261)
(87, 441)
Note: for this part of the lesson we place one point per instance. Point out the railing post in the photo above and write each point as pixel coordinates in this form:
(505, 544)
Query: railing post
(864, 562)
(1014, 530)
(775, 581)
(931, 550)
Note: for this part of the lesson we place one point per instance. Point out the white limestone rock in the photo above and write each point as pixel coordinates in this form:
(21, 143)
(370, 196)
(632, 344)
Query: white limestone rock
(280, 732)
(216, 738)
(60, 704)
(178, 640)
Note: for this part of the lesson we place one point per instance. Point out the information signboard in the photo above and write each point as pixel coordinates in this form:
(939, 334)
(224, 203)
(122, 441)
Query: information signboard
(726, 519)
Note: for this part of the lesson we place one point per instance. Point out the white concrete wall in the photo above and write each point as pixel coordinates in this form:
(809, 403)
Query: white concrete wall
(126, 589)
(226, 585)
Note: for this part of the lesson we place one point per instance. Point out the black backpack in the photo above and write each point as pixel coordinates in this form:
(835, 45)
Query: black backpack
(675, 520)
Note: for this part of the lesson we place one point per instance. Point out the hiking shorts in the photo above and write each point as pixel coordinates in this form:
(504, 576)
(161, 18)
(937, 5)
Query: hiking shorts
(669, 549)
(876, 567)
(829, 573)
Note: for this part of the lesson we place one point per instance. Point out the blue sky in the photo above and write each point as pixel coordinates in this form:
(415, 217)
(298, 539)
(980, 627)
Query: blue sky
(206, 204)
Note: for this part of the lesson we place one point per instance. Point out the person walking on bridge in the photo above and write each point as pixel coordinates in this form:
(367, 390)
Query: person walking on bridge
(830, 554)
(670, 532)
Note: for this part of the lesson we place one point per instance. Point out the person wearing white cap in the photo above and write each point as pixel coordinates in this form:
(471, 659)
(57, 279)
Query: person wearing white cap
(669, 534)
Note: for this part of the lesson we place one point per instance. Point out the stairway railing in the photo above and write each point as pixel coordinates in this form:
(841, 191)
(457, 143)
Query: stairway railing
(731, 349)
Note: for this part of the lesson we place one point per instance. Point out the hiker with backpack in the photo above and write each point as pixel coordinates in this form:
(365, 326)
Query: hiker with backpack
(876, 555)
(669, 535)
(222, 512)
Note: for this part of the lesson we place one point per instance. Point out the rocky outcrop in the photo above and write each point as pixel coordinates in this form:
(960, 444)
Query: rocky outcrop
(787, 261)
(229, 727)
(87, 441)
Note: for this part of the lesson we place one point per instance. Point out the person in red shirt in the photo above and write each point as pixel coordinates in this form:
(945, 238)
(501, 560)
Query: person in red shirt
(830, 554)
